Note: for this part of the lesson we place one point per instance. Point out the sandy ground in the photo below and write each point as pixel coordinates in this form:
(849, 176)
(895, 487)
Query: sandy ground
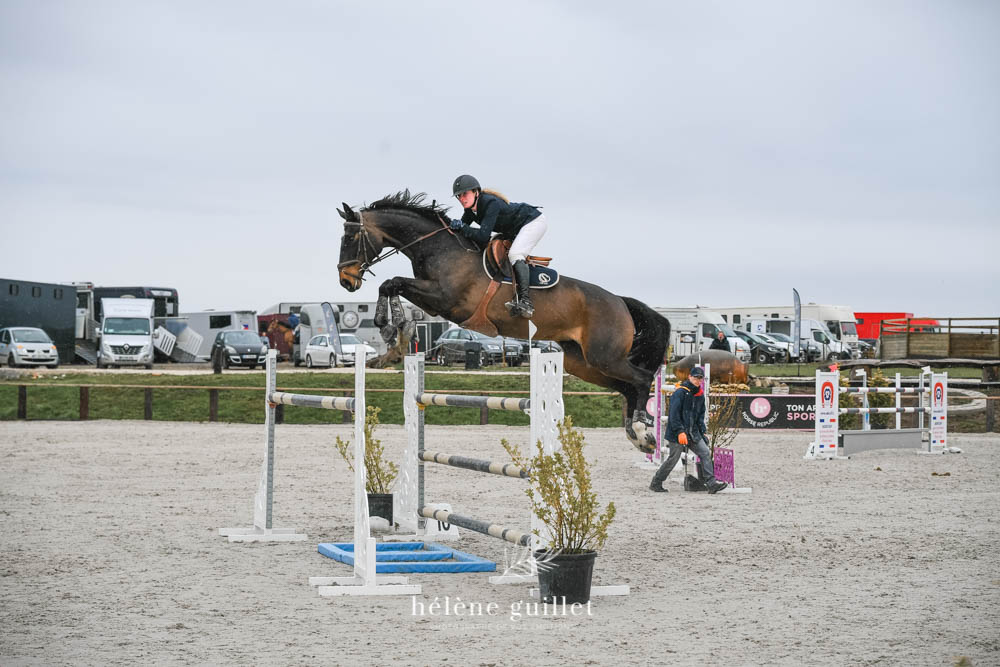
(110, 555)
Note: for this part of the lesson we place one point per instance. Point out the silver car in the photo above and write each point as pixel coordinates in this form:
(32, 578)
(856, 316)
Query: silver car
(27, 346)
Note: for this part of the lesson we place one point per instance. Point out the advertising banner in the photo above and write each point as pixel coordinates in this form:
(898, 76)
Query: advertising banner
(792, 411)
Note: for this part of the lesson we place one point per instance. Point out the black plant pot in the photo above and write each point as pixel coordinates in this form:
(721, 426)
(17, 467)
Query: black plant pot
(565, 576)
(380, 504)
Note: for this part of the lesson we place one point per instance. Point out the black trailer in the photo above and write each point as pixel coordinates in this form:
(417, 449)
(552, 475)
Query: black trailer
(48, 306)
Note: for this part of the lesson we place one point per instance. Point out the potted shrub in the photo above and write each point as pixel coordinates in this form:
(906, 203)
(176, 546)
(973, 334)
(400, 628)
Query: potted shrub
(563, 499)
(380, 473)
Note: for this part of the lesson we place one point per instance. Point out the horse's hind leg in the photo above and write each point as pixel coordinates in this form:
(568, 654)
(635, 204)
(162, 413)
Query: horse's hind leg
(577, 365)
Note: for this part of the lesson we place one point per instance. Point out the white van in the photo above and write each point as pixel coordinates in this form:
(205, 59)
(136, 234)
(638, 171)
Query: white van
(126, 333)
(693, 329)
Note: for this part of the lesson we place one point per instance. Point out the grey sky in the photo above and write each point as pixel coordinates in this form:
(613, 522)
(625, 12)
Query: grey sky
(205, 146)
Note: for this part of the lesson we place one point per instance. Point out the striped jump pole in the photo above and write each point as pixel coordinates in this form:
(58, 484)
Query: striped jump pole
(465, 401)
(883, 390)
(310, 401)
(880, 411)
(512, 535)
(479, 465)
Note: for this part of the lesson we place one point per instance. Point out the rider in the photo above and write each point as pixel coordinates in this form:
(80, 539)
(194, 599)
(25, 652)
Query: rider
(522, 223)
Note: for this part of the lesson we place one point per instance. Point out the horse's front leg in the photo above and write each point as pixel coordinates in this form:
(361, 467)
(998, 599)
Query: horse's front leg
(382, 305)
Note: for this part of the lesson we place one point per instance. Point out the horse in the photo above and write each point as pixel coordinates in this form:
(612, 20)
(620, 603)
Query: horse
(612, 341)
(726, 368)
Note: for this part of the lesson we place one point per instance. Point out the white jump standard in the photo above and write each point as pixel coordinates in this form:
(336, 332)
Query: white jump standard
(262, 529)
(364, 581)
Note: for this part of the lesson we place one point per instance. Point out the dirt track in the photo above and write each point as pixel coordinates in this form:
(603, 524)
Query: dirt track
(110, 555)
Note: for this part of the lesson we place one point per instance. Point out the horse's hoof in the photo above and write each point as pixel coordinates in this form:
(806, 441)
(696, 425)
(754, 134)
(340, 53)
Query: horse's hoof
(640, 430)
(650, 439)
(381, 317)
(644, 446)
(389, 334)
(396, 308)
(409, 329)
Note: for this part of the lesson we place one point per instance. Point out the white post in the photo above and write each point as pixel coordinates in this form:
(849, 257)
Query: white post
(867, 423)
(899, 402)
(262, 529)
(827, 416)
(938, 443)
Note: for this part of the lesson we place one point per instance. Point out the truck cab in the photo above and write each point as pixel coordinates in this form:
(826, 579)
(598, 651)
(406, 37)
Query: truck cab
(126, 333)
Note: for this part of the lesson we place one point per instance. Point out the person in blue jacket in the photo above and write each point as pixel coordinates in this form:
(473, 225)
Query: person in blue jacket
(686, 426)
(523, 224)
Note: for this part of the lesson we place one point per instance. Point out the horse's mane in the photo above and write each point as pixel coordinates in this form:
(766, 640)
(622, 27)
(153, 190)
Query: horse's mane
(413, 203)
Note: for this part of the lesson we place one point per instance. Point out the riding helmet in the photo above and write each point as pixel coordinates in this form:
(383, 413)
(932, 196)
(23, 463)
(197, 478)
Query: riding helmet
(463, 183)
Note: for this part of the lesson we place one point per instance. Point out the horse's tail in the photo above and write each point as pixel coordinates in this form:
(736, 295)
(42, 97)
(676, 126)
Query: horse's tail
(652, 335)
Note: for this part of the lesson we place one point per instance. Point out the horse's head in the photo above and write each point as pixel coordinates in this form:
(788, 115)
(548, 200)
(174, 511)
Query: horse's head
(399, 221)
(357, 248)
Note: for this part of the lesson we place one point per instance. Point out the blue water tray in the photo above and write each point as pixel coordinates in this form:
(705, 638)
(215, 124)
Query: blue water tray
(402, 557)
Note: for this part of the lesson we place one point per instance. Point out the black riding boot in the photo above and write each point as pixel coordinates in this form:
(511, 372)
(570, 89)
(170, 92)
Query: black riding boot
(522, 277)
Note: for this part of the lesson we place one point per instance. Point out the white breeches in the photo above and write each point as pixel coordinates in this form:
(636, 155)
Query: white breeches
(527, 238)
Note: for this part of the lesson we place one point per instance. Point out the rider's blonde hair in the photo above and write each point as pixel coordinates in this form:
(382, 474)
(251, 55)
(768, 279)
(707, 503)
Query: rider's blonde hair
(497, 193)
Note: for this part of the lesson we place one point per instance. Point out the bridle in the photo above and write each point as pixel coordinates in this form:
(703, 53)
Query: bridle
(368, 255)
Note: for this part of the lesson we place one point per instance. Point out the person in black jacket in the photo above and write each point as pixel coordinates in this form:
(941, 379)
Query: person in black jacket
(720, 342)
(523, 224)
(686, 426)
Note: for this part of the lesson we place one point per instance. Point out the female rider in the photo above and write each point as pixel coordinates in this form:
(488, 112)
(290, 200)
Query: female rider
(521, 223)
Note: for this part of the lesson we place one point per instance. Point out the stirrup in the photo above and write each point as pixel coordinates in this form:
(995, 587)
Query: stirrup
(517, 308)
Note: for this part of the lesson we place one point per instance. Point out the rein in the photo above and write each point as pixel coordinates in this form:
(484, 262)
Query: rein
(366, 244)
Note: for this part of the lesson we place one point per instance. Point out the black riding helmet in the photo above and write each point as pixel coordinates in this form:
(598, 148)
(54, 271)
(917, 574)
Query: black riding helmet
(463, 183)
(697, 372)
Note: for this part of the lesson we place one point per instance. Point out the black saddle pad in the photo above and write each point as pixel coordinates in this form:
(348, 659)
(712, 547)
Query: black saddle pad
(542, 277)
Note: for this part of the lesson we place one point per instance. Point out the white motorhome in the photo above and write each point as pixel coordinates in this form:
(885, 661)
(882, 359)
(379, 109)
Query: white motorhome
(209, 323)
(693, 329)
(838, 321)
(126, 333)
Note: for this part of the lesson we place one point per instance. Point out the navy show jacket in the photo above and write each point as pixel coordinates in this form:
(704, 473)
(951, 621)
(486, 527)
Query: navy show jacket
(493, 214)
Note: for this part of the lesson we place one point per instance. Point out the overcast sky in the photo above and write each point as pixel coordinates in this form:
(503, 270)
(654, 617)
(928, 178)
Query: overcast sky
(713, 153)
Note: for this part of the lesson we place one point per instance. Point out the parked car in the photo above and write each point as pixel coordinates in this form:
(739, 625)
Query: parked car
(784, 346)
(319, 352)
(238, 348)
(761, 351)
(451, 345)
(27, 346)
(543, 345)
(809, 349)
(352, 346)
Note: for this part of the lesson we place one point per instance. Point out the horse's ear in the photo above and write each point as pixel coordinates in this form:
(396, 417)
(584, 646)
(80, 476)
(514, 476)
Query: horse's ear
(342, 214)
(350, 215)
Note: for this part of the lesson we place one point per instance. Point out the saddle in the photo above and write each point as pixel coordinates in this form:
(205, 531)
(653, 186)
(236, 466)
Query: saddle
(498, 269)
(497, 266)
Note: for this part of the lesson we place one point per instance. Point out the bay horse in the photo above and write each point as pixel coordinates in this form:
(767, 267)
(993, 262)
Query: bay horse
(612, 341)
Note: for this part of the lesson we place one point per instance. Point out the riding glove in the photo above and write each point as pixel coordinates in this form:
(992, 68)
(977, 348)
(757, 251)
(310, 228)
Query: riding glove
(457, 224)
